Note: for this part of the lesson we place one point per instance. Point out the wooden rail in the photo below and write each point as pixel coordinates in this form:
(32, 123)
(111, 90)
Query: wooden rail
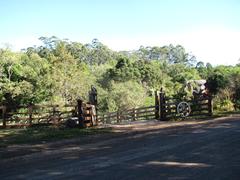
(163, 109)
(35, 114)
(134, 114)
(168, 106)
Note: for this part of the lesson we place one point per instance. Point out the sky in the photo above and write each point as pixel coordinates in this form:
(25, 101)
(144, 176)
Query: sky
(208, 29)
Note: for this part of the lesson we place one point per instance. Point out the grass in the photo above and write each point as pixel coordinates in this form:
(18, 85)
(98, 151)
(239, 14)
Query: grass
(224, 113)
(215, 114)
(33, 135)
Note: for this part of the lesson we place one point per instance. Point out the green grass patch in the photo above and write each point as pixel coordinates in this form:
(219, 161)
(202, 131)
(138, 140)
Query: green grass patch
(215, 114)
(32, 135)
(225, 113)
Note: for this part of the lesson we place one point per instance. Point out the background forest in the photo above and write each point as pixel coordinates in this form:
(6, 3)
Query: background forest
(61, 71)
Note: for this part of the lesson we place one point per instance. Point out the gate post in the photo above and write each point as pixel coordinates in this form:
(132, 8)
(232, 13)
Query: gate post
(118, 117)
(134, 115)
(162, 106)
(210, 107)
(30, 112)
(157, 105)
(4, 108)
(80, 113)
(92, 95)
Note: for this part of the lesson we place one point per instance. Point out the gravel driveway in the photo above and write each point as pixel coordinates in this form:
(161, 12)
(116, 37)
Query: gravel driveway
(207, 149)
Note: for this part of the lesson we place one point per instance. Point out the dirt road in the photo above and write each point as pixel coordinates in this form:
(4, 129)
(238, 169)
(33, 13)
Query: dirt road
(202, 150)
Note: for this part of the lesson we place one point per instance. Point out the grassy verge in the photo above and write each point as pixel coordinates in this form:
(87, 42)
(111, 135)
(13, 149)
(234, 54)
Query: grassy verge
(221, 113)
(44, 134)
(33, 135)
(216, 114)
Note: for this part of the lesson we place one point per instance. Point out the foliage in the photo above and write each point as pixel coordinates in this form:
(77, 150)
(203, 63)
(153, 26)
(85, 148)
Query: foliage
(62, 71)
(125, 95)
(22, 78)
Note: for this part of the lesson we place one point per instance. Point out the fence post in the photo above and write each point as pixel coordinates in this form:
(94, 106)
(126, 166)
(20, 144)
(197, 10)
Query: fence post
(134, 114)
(103, 119)
(80, 113)
(4, 109)
(55, 119)
(30, 111)
(210, 107)
(53, 113)
(118, 116)
(93, 98)
(162, 106)
(157, 105)
(108, 120)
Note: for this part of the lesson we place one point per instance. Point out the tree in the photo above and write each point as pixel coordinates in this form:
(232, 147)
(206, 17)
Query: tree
(234, 86)
(70, 79)
(181, 73)
(60, 71)
(125, 95)
(22, 79)
(202, 70)
(124, 70)
(216, 81)
(98, 53)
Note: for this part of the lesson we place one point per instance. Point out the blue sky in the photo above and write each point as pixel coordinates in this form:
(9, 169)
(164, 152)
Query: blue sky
(209, 29)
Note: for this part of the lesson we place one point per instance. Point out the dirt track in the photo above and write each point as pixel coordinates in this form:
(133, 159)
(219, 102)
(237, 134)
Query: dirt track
(191, 150)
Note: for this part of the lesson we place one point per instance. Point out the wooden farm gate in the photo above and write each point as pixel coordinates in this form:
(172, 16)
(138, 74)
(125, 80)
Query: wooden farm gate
(164, 109)
(79, 114)
(32, 115)
(175, 107)
(125, 116)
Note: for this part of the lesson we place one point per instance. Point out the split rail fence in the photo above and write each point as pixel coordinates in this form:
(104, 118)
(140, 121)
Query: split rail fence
(134, 114)
(198, 107)
(86, 114)
(35, 114)
(164, 109)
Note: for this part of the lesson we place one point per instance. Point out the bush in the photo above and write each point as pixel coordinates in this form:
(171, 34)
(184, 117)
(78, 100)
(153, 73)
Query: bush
(224, 105)
(125, 95)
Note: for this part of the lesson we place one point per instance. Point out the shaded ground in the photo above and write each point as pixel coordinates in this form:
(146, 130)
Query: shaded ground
(24, 141)
(208, 149)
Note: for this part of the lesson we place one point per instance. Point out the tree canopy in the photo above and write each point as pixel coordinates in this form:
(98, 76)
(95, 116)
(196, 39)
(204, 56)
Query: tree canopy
(62, 71)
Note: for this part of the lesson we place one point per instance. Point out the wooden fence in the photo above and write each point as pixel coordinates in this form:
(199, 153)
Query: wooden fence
(134, 114)
(35, 114)
(47, 115)
(164, 109)
(198, 107)
(85, 113)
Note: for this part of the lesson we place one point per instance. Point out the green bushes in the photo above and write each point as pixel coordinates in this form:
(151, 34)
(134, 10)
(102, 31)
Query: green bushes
(61, 71)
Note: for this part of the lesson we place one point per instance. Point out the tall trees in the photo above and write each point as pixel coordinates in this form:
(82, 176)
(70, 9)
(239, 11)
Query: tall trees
(98, 53)
(70, 77)
(61, 71)
(171, 54)
(22, 78)
(125, 95)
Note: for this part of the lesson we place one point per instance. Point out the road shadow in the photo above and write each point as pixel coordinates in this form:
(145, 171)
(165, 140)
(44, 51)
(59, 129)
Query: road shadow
(202, 151)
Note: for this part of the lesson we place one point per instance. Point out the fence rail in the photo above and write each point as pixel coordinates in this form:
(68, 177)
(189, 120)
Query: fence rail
(168, 106)
(35, 114)
(163, 109)
(134, 114)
